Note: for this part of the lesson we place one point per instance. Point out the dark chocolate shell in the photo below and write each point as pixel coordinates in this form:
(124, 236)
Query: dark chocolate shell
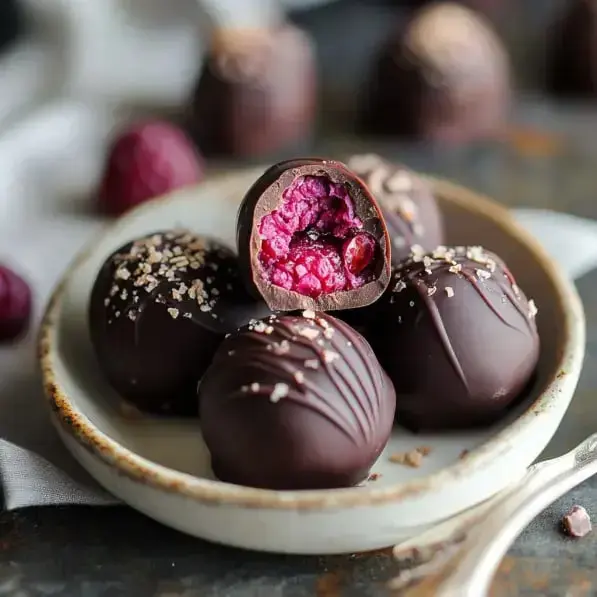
(295, 402)
(457, 337)
(159, 308)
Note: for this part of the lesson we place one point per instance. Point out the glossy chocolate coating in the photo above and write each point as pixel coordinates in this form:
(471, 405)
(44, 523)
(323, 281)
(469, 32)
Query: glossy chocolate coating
(409, 207)
(295, 402)
(442, 77)
(256, 94)
(159, 308)
(457, 337)
(572, 51)
(266, 195)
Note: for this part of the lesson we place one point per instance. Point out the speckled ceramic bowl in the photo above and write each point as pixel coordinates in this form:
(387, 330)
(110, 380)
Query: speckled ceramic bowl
(162, 467)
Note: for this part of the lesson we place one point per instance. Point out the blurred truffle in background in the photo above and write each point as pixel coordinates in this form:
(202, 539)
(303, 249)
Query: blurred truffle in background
(571, 68)
(256, 94)
(443, 76)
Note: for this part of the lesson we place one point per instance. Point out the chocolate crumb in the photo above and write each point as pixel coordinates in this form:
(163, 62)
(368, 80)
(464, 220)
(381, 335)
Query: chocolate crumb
(412, 458)
(577, 522)
(424, 450)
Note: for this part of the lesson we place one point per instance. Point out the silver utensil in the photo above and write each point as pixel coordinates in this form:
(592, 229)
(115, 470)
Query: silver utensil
(463, 562)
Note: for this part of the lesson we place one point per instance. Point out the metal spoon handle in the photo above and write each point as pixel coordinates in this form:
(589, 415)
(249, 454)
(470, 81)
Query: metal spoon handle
(471, 571)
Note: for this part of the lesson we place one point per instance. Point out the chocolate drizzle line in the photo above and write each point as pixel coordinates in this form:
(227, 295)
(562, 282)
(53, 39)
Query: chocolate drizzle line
(463, 262)
(334, 338)
(422, 289)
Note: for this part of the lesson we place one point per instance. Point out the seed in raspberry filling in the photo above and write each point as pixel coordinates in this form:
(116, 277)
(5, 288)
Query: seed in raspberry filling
(310, 229)
(358, 252)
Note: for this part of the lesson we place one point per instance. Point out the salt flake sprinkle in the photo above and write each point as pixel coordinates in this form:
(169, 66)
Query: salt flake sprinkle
(280, 391)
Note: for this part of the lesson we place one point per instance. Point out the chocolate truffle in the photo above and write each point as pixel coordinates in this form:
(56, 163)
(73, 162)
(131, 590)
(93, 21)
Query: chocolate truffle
(256, 94)
(442, 77)
(457, 337)
(572, 51)
(159, 308)
(295, 402)
(407, 202)
(311, 236)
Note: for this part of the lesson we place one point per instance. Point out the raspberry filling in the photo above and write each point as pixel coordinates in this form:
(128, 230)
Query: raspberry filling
(313, 243)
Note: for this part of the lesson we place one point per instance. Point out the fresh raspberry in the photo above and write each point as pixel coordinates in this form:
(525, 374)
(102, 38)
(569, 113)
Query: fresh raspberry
(15, 305)
(147, 160)
(314, 243)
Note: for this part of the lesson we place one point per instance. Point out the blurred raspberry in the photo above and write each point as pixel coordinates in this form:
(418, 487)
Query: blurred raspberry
(146, 161)
(15, 305)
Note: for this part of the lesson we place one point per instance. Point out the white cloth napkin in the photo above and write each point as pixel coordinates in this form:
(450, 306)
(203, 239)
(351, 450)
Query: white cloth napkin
(48, 164)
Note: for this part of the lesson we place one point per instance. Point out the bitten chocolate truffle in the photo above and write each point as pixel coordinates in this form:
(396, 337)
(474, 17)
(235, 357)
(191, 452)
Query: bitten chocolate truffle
(295, 402)
(407, 202)
(159, 308)
(571, 68)
(443, 76)
(311, 236)
(457, 337)
(256, 94)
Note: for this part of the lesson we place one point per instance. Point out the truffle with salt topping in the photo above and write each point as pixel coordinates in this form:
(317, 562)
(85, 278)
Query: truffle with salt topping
(256, 94)
(295, 402)
(159, 308)
(407, 202)
(458, 338)
(442, 77)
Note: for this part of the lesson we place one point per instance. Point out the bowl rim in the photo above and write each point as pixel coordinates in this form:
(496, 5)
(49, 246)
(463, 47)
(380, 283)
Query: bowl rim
(139, 469)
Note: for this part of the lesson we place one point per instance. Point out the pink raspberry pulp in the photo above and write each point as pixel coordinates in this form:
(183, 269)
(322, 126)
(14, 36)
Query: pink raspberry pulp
(145, 161)
(15, 305)
(313, 243)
